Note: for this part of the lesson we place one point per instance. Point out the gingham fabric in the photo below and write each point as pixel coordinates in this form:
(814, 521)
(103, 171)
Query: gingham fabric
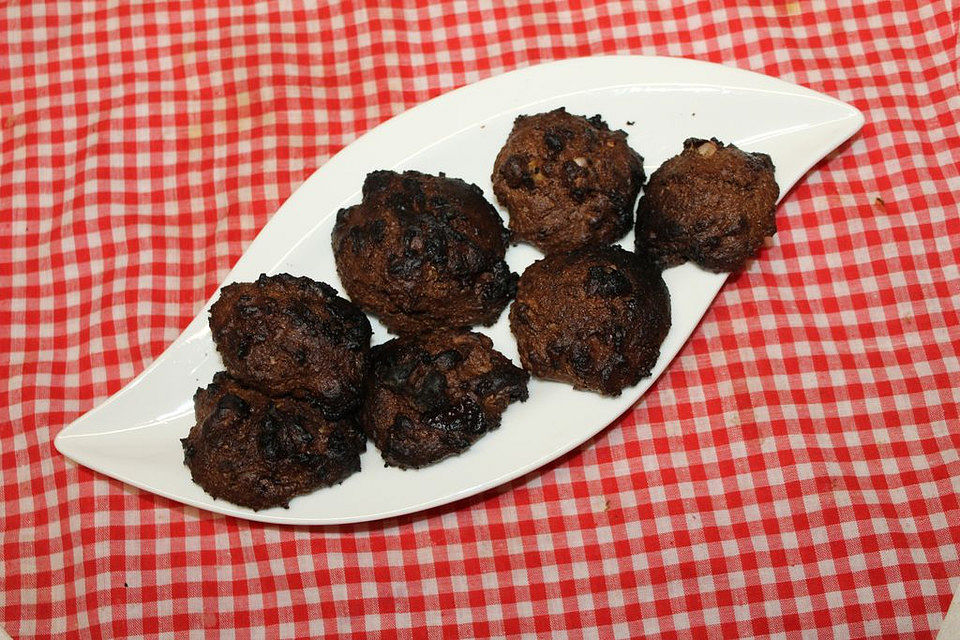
(794, 473)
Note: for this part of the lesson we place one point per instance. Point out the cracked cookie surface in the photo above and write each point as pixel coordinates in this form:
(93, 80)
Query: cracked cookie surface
(260, 452)
(432, 396)
(288, 335)
(593, 317)
(713, 204)
(423, 252)
(567, 181)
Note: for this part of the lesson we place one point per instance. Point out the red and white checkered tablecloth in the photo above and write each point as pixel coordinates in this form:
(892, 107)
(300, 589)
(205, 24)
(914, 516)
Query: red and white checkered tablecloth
(795, 472)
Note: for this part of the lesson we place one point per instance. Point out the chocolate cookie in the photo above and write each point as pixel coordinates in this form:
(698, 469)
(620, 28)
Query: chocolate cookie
(287, 335)
(713, 204)
(259, 452)
(567, 181)
(423, 252)
(432, 396)
(593, 317)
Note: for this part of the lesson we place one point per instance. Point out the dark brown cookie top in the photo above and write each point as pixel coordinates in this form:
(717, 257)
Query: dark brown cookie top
(432, 396)
(593, 317)
(423, 252)
(713, 204)
(259, 452)
(567, 181)
(295, 336)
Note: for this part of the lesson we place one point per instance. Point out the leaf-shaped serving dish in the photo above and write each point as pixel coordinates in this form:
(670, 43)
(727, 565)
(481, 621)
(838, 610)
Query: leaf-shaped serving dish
(135, 435)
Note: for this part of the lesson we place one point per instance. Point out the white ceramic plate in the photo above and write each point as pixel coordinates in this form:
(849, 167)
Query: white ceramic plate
(135, 435)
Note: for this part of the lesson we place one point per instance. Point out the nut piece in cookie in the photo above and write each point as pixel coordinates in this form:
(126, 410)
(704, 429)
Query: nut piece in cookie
(423, 252)
(287, 335)
(432, 396)
(593, 317)
(259, 452)
(713, 204)
(567, 181)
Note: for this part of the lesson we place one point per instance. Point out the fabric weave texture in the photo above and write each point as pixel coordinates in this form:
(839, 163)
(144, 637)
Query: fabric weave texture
(795, 472)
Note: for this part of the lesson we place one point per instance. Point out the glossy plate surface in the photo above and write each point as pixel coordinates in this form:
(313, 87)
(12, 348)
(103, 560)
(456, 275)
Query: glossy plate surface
(135, 435)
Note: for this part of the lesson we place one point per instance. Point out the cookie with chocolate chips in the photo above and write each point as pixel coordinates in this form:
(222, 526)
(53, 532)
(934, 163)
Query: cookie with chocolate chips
(432, 396)
(287, 335)
(423, 252)
(713, 204)
(593, 317)
(567, 181)
(260, 452)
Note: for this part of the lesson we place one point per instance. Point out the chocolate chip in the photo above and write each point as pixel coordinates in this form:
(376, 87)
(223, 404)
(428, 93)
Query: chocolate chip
(554, 141)
(446, 360)
(403, 265)
(606, 282)
(581, 359)
(498, 379)
(402, 423)
(431, 393)
(460, 424)
(515, 173)
(573, 171)
(281, 436)
(375, 229)
(232, 407)
(357, 240)
(394, 371)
